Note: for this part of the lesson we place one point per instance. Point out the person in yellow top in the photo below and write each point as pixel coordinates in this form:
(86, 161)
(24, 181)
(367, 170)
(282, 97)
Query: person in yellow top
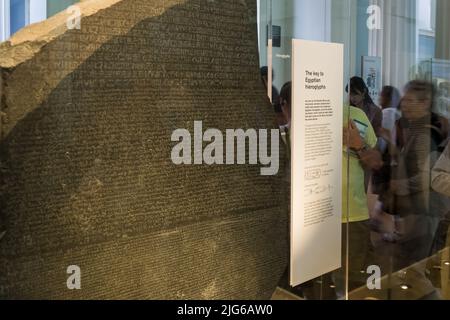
(358, 154)
(359, 141)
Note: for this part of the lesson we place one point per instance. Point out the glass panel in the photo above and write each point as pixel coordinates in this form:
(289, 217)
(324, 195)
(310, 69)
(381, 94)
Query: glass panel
(401, 83)
(396, 178)
(326, 21)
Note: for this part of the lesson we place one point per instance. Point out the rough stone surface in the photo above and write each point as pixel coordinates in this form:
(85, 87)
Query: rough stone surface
(86, 175)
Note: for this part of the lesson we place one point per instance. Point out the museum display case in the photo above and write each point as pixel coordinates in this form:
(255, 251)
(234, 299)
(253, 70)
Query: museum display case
(232, 149)
(394, 215)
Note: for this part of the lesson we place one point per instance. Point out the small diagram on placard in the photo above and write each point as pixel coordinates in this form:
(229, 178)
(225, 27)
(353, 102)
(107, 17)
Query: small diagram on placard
(318, 190)
(313, 174)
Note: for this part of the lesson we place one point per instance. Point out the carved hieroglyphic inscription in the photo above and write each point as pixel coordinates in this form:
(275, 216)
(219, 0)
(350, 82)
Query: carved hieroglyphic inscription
(86, 175)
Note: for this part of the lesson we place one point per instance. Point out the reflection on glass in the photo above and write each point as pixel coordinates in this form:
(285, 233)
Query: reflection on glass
(397, 185)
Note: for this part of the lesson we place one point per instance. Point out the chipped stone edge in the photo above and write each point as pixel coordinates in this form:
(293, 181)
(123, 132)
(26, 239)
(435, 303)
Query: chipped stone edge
(28, 42)
(23, 45)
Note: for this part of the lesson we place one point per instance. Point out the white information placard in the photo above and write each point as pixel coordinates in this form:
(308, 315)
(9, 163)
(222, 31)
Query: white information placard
(316, 137)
